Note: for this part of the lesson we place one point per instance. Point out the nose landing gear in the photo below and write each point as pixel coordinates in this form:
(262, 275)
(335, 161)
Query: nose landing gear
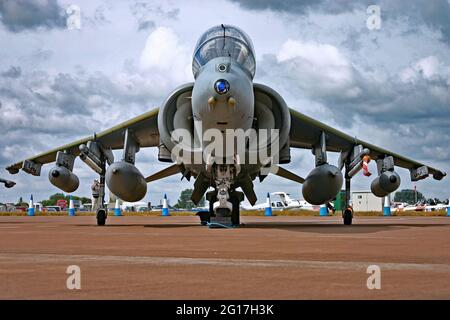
(225, 216)
(224, 203)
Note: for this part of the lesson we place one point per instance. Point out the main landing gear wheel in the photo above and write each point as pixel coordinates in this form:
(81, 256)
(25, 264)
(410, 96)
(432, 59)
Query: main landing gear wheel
(205, 217)
(101, 217)
(348, 217)
(235, 216)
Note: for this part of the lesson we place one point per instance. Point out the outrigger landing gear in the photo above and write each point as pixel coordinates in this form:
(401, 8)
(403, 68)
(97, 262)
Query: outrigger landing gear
(98, 193)
(348, 216)
(347, 211)
(96, 157)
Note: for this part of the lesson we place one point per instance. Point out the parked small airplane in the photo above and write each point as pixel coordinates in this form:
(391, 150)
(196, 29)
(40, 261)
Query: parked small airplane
(284, 203)
(419, 207)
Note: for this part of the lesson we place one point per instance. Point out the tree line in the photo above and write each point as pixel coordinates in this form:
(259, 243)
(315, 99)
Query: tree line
(412, 197)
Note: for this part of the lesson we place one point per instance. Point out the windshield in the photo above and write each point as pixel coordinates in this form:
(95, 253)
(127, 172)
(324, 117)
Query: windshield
(224, 41)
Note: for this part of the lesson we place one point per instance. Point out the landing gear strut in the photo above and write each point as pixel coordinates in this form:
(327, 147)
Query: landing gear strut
(236, 198)
(98, 193)
(96, 157)
(222, 208)
(347, 211)
(223, 215)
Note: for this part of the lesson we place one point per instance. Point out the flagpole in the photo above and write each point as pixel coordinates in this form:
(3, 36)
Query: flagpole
(415, 193)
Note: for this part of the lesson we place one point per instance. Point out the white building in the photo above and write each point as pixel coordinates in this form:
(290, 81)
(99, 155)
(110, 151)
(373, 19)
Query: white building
(364, 201)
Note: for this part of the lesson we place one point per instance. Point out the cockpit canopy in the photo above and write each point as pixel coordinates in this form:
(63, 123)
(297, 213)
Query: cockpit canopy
(224, 41)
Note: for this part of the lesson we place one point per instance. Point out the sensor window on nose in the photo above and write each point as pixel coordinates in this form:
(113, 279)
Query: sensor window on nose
(222, 86)
(222, 67)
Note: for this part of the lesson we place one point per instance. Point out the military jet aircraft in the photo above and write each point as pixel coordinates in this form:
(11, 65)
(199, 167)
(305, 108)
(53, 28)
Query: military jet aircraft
(195, 116)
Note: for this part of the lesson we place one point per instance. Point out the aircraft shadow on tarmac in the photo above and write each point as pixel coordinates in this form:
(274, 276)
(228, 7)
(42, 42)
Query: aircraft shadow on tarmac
(294, 227)
(336, 228)
(13, 222)
(157, 226)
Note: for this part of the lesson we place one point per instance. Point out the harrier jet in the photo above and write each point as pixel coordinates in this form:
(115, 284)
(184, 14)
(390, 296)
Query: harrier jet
(197, 119)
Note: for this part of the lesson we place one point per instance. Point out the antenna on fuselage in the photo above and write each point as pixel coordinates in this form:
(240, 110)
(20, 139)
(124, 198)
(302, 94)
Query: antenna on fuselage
(224, 36)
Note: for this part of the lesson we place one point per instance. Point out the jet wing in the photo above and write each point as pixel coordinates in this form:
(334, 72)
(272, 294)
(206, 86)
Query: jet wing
(306, 132)
(144, 128)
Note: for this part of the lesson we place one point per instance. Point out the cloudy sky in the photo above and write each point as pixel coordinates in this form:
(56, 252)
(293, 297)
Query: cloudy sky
(388, 86)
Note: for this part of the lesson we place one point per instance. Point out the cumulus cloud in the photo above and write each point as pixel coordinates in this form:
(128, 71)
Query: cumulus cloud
(71, 104)
(41, 110)
(433, 14)
(164, 55)
(12, 72)
(321, 69)
(145, 12)
(322, 73)
(428, 68)
(302, 6)
(19, 15)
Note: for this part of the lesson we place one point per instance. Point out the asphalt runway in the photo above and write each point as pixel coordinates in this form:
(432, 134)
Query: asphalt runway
(267, 258)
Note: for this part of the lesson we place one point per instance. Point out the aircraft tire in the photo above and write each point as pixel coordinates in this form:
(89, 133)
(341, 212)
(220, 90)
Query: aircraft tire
(205, 217)
(235, 214)
(348, 217)
(101, 217)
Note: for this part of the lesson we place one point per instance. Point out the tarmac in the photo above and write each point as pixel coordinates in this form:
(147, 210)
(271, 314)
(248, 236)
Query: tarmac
(267, 258)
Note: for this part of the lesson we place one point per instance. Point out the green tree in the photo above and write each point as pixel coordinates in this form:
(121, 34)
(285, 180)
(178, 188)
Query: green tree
(61, 196)
(201, 203)
(84, 200)
(21, 203)
(184, 201)
(434, 201)
(408, 196)
(53, 198)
